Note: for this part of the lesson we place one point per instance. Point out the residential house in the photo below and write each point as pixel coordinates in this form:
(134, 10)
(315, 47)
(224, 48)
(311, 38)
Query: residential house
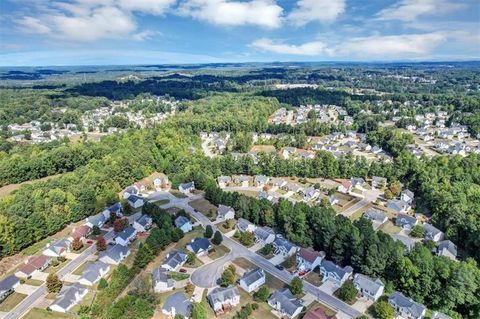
(304, 154)
(264, 235)
(317, 313)
(126, 236)
(223, 300)
(252, 280)
(199, 246)
(379, 182)
(377, 150)
(96, 220)
(68, 297)
(183, 223)
(174, 260)
(93, 272)
(57, 248)
(135, 201)
(7, 286)
(308, 259)
(288, 151)
(407, 196)
(177, 304)
(264, 195)
(310, 193)
(223, 181)
(285, 303)
(369, 288)
(114, 254)
(292, 187)
(116, 209)
(80, 232)
(244, 225)
(277, 183)
(448, 249)
(398, 205)
(261, 180)
(345, 187)
(143, 223)
(335, 273)
(225, 212)
(358, 183)
(186, 188)
(160, 181)
(405, 221)
(161, 282)
(375, 216)
(284, 247)
(333, 200)
(241, 180)
(439, 315)
(406, 307)
(432, 233)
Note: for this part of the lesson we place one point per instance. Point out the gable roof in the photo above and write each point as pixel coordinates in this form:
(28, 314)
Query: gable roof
(8, 283)
(253, 276)
(408, 193)
(116, 252)
(180, 221)
(39, 261)
(96, 220)
(263, 232)
(431, 230)
(288, 303)
(127, 233)
(243, 224)
(397, 204)
(81, 231)
(449, 246)
(282, 242)
(144, 220)
(222, 295)
(261, 179)
(368, 284)
(132, 199)
(93, 270)
(68, 295)
(400, 300)
(175, 258)
(310, 255)
(403, 219)
(331, 267)
(374, 215)
(199, 244)
(160, 275)
(187, 185)
(223, 210)
(180, 303)
(60, 245)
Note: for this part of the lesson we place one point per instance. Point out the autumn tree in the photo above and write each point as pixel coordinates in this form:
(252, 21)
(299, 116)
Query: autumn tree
(53, 283)
(76, 244)
(101, 243)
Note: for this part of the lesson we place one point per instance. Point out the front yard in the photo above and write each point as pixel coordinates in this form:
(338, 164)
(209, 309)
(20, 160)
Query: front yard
(11, 301)
(218, 252)
(205, 207)
(37, 313)
(314, 278)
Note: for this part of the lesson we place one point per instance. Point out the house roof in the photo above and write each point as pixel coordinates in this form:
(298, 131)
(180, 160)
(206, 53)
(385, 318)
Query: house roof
(68, 295)
(180, 221)
(115, 208)
(397, 204)
(243, 224)
(199, 244)
(39, 261)
(96, 220)
(81, 231)
(222, 294)
(261, 179)
(144, 220)
(331, 267)
(241, 178)
(282, 242)
(175, 258)
(263, 232)
(127, 233)
(431, 230)
(449, 246)
(223, 210)
(374, 215)
(357, 181)
(439, 315)
(317, 313)
(92, 271)
(116, 253)
(310, 255)
(187, 185)
(27, 269)
(160, 275)
(132, 199)
(8, 283)
(347, 184)
(379, 179)
(253, 276)
(368, 284)
(288, 303)
(402, 301)
(180, 303)
(403, 219)
(224, 179)
(408, 193)
(59, 246)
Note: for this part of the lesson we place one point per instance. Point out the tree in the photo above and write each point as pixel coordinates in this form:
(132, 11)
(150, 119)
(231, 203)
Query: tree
(189, 288)
(247, 239)
(296, 286)
(262, 294)
(228, 276)
(199, 311)
(347, 292)
(208, 231)
(76, 244)
(388, 194)
(177, 234)
(120, 224)
(179, 316)
(102, 284)
(53, 283)
(191, 259)
(217, 238)
(101, 243)
(290, 262)
(267, 249)
(383, 310)
(417, 231)
(96, 230)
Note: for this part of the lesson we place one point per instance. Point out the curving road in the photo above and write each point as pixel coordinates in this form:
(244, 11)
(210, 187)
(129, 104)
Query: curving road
(207, 275)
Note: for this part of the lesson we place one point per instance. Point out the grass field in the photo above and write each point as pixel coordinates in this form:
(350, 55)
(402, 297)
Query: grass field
(37, 313)
(390, 228)
(204, 207)
(80, 269)
(196, 232)
(263, 148)
(162, 202)
(243, 263)
(11, 301)
(218, 252)
(178, 276)
(224, 226)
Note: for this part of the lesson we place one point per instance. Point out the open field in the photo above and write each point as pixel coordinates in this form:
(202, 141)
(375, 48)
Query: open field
(314, 278)
(37, 313)
(263, 148)
(204, 207)
(11, 301)
(390, 228)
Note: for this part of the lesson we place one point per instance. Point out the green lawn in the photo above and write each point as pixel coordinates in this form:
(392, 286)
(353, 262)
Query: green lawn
(314, 278)
(205, 207)
(35, 248)
(273, 282)
(243, 263)
(196, 232)
(390, 228)
(11, 301)
(33, 282)
(178, 276)
(260, 252)
(52, 270)
(224, 226)
(37, 313)
(162, 202)
(218, 252)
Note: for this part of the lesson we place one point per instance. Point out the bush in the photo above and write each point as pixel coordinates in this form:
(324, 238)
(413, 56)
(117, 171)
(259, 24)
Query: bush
(102, 284)
(208, 231)
(247, 239)
(382, 310)
(347, 292)
(61, 259)
(267, 249)
(228, 276)
(96, 230)
(296, 286)
(417, 231)
(290, 262)
(262, 294)
(53, 283)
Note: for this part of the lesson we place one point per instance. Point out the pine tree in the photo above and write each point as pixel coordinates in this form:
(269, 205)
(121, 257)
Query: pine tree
(217, 238)
(208, 231)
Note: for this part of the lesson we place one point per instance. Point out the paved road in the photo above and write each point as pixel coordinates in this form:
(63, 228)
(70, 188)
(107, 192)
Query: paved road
(26, 304)
(207, 275)
(240, 250)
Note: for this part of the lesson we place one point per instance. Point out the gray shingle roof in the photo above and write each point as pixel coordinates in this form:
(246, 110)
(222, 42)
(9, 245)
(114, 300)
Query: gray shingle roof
(199, 244)
(374, 215)
(127, 233)
(430, 230)
(67, 296)
(92, 271)
(400, 300)
(222, 294)
(252, 276)
(366, 283)
(180, 303)
(223, 210)
(8, 283)
(243, 224)
(144, 220)
(331, 267)
(288, 303)
(60, 245)
(449, 246)
(160, 275)
(282, 243)
(263, 232)
(180, 221)
(175, 258)
(116, 252)
(96, 220)
(403, 219)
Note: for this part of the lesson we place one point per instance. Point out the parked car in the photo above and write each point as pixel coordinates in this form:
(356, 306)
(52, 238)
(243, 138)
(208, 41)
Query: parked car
(279, 267)
(183, 270)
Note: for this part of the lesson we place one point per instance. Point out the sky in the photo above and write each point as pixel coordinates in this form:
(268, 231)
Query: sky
(111, 32)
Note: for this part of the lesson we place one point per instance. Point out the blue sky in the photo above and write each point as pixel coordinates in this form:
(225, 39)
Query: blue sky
(87, 32)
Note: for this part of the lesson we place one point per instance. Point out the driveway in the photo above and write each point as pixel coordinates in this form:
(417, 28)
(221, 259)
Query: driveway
(71, 278)
(362, 304)
(277, 259)
(38, 275)
(329, 287)
(26, 289)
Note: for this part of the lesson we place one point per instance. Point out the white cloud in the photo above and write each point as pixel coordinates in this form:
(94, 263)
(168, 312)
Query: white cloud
(316, 11)
(90, 20)
(410, 10)
(392, 46)
(263, 13)
(309, 48)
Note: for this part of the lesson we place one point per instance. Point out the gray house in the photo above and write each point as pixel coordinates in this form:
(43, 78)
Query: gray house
(177, 304)
(369, 288)
(68, 297)
(114, 255)
(252, 280)
(285, 303)
(448, 249)
(174, 260)
(335, 273)
(432, 233)
(183, 223)
(264, 235)
(398, 205)
(96, 220)
(244, 225)
(406, 221)
(199, 246)
(160, 280)
(8, 285)
(282, 246)
(375, 215)
(225, 212)
(406, 307)
(223, 300)
(93, 272)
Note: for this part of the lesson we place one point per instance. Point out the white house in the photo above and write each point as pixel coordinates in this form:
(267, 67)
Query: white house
(284, 247)
(126, 236)
(143, 223)
(432, 233)
(369, 288)
(406, 307)
(199, 246)
(308, 259)
(264, 235)
(345, 187)
(161, 282)
(223, 181)
(285, 303)
(407, 196)
(223, 299)
(96, 220)
(244, 225)
(93, 272)
(57, 248)
(174, 260)
(225, 212)
(186, 188)
(114, 255)
(252, 280)
(335, 273)
(68, 297)
(135, 201)
(183, 223)
(7, 286)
